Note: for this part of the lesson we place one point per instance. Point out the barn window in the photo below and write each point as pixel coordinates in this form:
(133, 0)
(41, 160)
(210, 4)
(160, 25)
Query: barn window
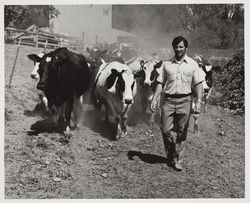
(105, 11)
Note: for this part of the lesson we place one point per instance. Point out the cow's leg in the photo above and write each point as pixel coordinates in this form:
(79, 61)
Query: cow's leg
(144, 102)
(77, 108)
(117, 128)
(60, 111)
(206, 98)
(68, 110)
(45, 102)
(205, 106)
(152, 119)
(106, 115)
(96, 102)
(196, 126)
(123, 124)
(106, 111)
(54, 112)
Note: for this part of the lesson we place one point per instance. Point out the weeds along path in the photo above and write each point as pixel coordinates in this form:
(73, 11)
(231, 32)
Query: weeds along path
(41, 163)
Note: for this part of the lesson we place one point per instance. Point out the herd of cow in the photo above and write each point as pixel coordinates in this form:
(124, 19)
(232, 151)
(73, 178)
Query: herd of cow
(65, 77)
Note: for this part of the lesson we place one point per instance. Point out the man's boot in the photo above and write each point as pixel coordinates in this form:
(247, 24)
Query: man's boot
(178, 156)
(170, 149)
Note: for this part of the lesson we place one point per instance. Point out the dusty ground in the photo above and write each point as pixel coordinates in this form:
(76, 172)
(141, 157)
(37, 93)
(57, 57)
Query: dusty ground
(41, 163)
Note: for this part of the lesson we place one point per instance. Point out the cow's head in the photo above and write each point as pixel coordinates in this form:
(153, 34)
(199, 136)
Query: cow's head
(136, 66)
(150, 71)
(207, 71)
(95, 53)
(36, 59)
(60, 55)
(123, 84)
(140, 73)
(115, 52)
(49, 69)
(96, 57)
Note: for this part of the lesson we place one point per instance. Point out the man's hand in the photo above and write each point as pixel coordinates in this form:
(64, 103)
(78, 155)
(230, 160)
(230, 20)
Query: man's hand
(197, 107)
(153, 105)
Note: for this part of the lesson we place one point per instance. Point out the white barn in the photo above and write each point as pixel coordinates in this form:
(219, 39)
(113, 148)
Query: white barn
(91, 22)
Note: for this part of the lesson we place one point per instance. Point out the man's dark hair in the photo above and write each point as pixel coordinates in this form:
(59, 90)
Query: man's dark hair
(179, 39)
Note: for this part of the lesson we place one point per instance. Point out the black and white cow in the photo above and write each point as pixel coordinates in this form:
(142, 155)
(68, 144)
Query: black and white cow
(35, 75)
(146, 74)
(115, 88)
(207, 75)
(64, 78)
(96, 55)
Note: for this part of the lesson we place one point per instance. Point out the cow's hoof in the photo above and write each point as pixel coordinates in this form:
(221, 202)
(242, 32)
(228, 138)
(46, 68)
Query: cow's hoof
(67, 132)
(117, 137)
(196, 131)
(151, 124)
(124, 133)
(75, 126)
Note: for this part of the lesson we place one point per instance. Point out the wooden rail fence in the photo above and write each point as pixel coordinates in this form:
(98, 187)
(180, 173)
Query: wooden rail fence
(43, 39)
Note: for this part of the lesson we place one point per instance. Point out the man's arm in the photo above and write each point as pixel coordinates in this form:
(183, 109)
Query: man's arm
(199, 93)
(157, 93)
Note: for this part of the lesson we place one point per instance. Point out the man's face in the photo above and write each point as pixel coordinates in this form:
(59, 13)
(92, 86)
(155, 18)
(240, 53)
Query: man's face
(179, 50)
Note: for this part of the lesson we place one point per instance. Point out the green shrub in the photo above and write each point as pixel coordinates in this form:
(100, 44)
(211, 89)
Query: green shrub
(230, 84)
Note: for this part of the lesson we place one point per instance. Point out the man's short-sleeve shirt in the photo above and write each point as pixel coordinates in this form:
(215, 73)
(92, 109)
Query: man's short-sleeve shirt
(179, 77)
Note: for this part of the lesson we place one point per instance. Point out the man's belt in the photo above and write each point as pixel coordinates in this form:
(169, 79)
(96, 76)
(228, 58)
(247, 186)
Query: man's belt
(176, 95)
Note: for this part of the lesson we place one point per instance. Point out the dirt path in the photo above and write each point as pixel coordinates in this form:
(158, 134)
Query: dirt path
(40, 163)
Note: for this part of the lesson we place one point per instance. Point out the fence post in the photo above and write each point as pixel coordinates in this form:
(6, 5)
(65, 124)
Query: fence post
(82, 41)
(45, 46)
(36, 40)
(14, 65)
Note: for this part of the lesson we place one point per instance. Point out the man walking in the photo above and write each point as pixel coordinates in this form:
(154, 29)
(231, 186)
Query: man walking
(177, 78)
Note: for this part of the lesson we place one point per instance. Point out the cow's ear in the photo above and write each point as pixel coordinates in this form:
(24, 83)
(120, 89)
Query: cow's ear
(56, 59)
(111, 78)
(142, 62)
(121, 60)
(88, 60)
(34, 58)
(158, 65)
(88, 49)
(59, 57)
(104, 52)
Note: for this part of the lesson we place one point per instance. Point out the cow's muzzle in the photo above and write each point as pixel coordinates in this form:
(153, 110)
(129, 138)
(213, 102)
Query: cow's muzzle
(128, 101)
(41, 86)
(147, 84)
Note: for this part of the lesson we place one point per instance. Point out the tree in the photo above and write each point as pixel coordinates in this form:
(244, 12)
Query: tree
(230, 83)
(22, 16)
(224, 20)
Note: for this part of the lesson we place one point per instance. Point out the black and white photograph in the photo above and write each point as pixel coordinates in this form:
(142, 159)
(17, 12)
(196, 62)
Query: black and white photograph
(124, 100)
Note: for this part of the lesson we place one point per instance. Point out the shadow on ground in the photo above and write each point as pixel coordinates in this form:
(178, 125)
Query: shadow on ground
(148, 158)
(39, 110)
(45, 126)
(94, 120)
